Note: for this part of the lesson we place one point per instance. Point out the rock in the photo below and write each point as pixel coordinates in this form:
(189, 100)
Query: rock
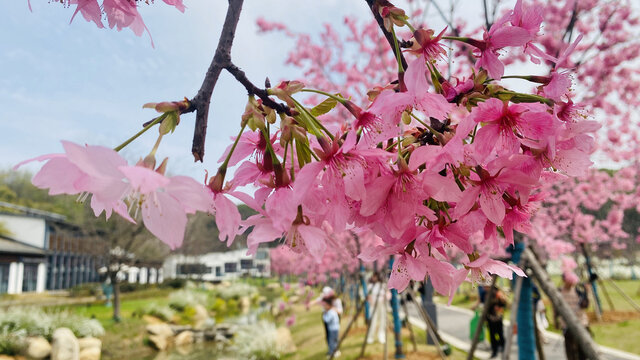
(200, 317)
(64, 345)
(221, 339)
(294, 299)
(89, 342)
(225, 330)
(284, 341)
(209, 335)
(152, 319)
(38, 348)
(177, 329)
(163, 330)
(245, 304)
(184, 338)
(159, 342)
(90, 353)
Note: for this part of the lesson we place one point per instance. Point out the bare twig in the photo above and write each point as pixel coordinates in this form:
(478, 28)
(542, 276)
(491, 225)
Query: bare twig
(254, 90)
(486, 15)
(222, 57)
(390, 38)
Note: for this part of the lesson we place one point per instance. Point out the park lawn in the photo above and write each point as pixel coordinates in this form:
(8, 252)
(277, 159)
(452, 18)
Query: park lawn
(622, 335)
(308, 335)
(123, 339)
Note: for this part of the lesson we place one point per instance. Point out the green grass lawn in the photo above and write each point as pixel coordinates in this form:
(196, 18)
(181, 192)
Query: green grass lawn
(308, 335)
(123, 339)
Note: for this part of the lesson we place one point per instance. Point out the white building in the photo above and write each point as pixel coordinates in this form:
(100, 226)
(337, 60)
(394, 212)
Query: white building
(218, 266)
(42, 252)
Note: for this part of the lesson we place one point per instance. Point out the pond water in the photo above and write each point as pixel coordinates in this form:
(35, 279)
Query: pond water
(202, 351)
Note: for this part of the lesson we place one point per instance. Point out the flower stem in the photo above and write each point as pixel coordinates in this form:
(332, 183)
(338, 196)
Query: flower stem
(144, 129)
(397, 46)
(457, 38)
(406, 22)
(233, 148)
(312, 118)
(339, 99)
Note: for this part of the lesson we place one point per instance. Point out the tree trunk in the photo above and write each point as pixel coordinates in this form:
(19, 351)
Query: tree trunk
(113, 276)
(573, 324)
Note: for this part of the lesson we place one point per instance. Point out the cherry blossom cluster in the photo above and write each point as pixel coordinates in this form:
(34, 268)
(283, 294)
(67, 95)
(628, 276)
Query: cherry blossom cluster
(431, 165)
(605, 50)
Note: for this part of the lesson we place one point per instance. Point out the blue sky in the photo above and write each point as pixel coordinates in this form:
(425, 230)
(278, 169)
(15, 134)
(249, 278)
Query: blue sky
(80, 83)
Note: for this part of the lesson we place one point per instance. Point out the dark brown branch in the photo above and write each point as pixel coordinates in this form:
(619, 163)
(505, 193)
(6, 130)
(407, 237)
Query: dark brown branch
(486, 15)
(254, 90)
(222, 57)
(390, 38)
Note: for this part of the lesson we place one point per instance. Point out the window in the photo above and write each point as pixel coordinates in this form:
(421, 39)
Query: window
(261, 255)
(230, 267)
(260, 267)
(29, 277)
(218, 271)
(4, 278)
(246, 264)
(189, 269)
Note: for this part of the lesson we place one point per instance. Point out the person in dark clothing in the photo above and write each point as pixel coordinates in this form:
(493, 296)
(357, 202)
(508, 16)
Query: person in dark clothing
(497, 303)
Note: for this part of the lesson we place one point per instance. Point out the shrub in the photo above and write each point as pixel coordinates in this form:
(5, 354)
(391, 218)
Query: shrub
(236, 291)
(36, 322)
(180, 299)
(174, 283)
(12, 342)
(87, 289)
(257, 342)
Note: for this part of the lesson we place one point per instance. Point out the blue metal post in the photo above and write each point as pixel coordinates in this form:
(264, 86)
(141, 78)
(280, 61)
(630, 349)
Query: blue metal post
(524, 318)
(592, 278)
(397, 325)
(367, 314)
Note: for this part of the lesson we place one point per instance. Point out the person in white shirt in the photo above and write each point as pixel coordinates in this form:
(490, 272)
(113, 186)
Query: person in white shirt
(378, 317)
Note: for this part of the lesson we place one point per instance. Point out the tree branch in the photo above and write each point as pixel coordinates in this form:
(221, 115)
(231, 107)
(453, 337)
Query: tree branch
(388, 35)
(222, 57)
(254, 90)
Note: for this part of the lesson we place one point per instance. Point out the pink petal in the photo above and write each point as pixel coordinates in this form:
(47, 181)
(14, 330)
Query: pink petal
(59, 176)
(377, 193)
(492, 206)
(399, 278)
(227, 218)
(305, 179)
(163, 217)
(509, 36)
(144, 180)
(192, 195)
(314, 240)
(469, 197)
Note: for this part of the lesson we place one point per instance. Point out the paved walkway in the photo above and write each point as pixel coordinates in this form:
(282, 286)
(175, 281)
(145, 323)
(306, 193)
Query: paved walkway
(453, 324)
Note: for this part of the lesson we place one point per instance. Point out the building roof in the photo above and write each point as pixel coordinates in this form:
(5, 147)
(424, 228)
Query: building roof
(23, 210)
(11, 246)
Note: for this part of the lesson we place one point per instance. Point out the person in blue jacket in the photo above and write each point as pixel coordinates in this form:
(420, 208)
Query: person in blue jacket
(332, 321)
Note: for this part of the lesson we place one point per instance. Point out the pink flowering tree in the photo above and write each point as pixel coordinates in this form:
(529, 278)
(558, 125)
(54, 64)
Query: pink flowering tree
(440, 162)
(583, 36)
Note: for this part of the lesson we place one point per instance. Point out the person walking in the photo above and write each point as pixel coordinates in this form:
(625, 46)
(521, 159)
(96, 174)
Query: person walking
(497, 303)
(577, 302)
(330, 318)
